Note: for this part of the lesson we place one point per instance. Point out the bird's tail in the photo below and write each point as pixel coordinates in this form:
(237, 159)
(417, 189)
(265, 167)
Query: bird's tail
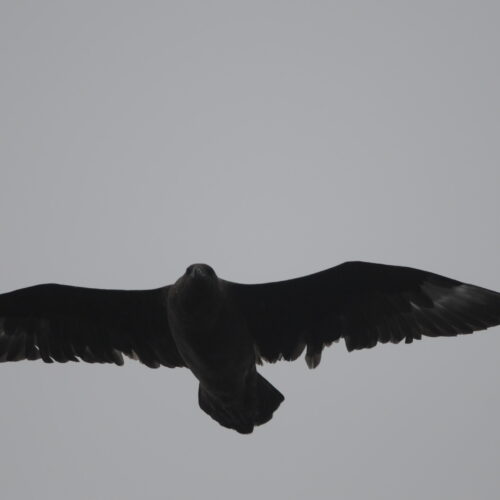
(268, 400)
(256, 408)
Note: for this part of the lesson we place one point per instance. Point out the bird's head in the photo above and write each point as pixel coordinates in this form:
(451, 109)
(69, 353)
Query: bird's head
(200, 273)
(197, 290)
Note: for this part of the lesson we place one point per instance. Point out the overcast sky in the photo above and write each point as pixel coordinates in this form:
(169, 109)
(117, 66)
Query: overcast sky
(271, 140)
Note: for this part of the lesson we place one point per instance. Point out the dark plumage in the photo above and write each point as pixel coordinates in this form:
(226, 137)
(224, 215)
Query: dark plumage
(221, 330)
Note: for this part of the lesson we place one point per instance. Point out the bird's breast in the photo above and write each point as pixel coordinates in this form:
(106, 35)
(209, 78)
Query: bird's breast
(217, 348)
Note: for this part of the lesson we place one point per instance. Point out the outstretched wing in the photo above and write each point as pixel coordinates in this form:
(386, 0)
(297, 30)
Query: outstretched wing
(66, 323)
(363, 303)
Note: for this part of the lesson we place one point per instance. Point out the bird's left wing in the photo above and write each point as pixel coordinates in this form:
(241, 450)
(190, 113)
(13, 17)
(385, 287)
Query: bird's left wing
(363, 303)
(67, 323)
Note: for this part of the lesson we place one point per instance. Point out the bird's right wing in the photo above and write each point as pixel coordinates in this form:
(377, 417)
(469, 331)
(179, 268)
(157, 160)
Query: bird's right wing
(67, 323)
(363, 303)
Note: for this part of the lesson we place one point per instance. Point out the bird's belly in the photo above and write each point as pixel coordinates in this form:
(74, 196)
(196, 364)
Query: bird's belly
(220, 359)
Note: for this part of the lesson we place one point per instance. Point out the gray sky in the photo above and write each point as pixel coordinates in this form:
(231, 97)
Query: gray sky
(270, 140)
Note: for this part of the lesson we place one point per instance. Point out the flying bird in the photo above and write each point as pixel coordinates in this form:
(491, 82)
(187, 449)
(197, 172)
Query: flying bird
(221, 330)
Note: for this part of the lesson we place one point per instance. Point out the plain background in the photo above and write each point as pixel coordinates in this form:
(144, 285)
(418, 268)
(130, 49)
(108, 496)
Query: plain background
(271, 140)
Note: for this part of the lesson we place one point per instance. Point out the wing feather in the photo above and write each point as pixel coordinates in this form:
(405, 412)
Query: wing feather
(66, 323)
(363, 303)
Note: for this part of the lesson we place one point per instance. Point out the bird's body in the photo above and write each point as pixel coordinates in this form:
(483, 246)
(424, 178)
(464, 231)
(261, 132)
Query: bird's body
(222, 330)
(216, 346)
(207, 331)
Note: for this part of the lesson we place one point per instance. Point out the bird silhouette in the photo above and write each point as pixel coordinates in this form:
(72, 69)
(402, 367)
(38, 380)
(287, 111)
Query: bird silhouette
(221, 330)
